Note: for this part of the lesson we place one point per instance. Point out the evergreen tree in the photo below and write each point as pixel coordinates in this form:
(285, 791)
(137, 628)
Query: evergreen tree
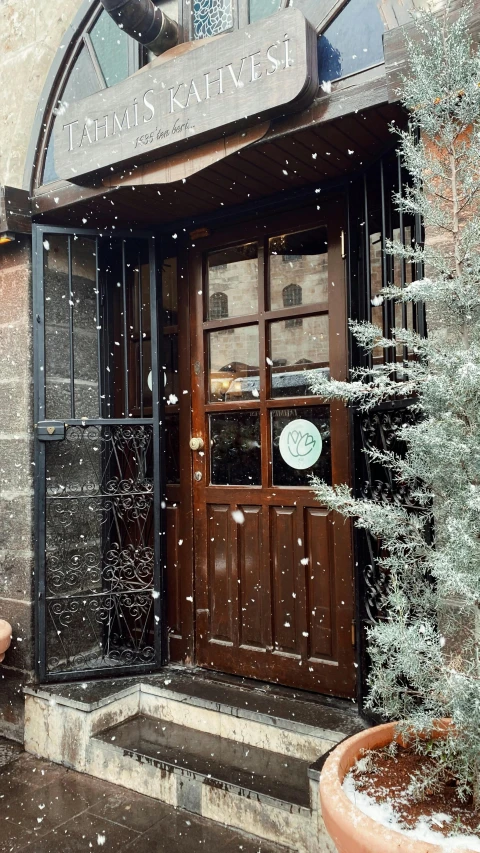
(425, 655)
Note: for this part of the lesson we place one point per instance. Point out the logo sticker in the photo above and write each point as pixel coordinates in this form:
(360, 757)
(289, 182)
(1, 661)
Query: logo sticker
(300, 444)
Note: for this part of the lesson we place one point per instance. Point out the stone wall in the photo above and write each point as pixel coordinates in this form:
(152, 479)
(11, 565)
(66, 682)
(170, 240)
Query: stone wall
(31, 32)
(16, 479)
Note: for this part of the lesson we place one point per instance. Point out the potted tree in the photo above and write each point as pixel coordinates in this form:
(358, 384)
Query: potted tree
(425, 655)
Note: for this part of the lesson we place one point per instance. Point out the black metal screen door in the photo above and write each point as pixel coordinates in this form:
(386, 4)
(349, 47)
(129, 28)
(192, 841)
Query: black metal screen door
(97, 459)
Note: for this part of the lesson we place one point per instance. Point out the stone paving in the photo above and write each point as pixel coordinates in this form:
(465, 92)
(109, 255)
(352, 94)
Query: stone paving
(45, 808)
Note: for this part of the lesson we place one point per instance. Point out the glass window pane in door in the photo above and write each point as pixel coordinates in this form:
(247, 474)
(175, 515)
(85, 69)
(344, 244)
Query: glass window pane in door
(298, 348)
(301, 436)
(111, 46)
(233, 364)
(298, 268)
(233, 282)
(235, 449)
(57, 326)
(85, 332)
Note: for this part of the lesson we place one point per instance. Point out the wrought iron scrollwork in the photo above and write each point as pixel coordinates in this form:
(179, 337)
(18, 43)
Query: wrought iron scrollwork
(99, 548)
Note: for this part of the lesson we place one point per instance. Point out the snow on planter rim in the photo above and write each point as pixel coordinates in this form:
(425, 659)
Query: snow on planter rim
(384, 814)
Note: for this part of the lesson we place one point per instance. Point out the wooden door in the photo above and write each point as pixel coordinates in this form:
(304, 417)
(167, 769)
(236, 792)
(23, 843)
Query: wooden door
(273, 569)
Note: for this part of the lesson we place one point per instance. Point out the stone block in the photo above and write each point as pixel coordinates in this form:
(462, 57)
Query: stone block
(16, 574)
(16, 256)
(20, 655)
(16, 529)
(16, 406)
(12, 682)
(16, 469)
(16, 353)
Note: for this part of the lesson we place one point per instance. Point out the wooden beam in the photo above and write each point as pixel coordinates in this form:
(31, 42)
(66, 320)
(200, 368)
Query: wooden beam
(15, 212)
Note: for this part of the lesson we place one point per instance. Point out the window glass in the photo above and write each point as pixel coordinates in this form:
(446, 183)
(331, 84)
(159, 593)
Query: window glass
(259, 9)
(233, 275)
(291, 468)
(111, 46)
(298, 348)
(233, 369)
(211, 17)
(298, 268)
(235, 449)
(83, 81)
(352, 41)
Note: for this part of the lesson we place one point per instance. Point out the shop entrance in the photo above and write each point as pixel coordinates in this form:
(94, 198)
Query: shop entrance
(273, 569)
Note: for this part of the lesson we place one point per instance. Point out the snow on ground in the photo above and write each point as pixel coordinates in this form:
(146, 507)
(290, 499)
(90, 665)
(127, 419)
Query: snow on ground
(384, 813)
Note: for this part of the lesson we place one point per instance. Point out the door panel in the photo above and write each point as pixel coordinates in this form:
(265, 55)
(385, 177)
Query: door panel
(273, 569)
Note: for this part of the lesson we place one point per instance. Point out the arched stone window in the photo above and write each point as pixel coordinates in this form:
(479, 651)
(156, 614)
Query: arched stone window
(292, 295)
(218, 306)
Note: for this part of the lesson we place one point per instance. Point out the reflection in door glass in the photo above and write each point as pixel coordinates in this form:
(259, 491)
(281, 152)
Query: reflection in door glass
(235, 449)
(298, 348)
(298, 268)
(233, 366)
(283, 472)
(233, 282)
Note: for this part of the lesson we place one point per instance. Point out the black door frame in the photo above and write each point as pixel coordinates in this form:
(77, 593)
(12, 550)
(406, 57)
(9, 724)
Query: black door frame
(39, 233)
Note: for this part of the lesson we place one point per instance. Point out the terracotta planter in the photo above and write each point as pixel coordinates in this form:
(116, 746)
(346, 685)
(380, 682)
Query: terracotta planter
(5, 637)
(351, 830)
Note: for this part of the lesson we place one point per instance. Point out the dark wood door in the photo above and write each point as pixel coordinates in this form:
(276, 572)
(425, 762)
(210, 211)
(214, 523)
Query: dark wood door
(273, 569)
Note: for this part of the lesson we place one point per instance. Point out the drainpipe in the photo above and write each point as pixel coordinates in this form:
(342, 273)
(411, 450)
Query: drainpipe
(145, 22)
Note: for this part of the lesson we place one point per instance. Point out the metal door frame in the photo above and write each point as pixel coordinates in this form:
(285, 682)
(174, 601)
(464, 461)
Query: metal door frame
(159, 622)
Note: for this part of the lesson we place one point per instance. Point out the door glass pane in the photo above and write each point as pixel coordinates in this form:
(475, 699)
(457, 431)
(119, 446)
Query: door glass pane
(235, 449)
(301, 445)
(233, 282)
(298, 268)
(353, 41)
(170, 292)
(211, 17)
(259, 9)
(111, 46)
(85, 333)
(57, 326)
(233, 364)
(298, 347)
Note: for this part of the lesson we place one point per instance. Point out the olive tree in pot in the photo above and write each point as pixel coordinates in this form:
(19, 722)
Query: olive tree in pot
(425, 655)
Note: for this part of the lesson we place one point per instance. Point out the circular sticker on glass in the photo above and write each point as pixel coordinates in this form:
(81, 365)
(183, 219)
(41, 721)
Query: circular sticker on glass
(300, 444)
(150, 381)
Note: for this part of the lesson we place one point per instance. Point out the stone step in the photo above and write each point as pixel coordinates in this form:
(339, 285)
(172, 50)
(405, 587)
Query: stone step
(207, 758)
(260, 792)
(237, 752)
(287, 724)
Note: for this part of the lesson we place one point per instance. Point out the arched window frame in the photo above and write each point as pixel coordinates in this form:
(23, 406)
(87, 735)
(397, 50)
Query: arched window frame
(76, 39)
(292, 296)
(218, 306)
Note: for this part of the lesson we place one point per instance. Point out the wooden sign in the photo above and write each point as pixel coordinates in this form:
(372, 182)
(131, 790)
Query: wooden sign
(236, 80)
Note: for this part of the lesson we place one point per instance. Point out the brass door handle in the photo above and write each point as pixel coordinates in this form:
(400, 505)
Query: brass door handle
(196, 444)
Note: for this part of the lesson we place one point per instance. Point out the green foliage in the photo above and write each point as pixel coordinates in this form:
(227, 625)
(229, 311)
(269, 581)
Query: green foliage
(425, 654)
